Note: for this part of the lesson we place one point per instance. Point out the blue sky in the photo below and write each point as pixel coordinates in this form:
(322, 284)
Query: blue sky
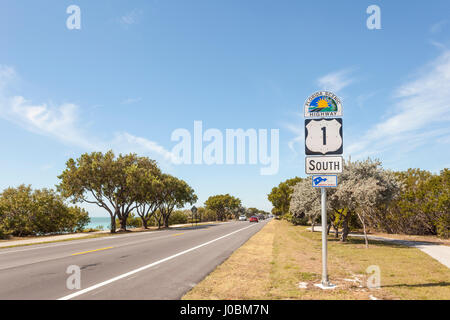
(138, 70)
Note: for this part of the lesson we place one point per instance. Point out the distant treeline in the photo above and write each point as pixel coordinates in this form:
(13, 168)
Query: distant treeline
(414, 202)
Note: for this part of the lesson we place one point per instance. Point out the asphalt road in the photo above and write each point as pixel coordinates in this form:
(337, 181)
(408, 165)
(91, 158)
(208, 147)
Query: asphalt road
(152, 265)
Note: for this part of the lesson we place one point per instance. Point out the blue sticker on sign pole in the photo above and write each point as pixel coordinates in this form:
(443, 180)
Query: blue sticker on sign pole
(324, 181)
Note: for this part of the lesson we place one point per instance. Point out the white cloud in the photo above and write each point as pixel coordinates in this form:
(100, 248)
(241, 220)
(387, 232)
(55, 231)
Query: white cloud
(131, 17)
(64, 123)
(295, 144)
(335, 81)
(438, 26)
(130, 143)
(421, 114)
(131, 100)
(60, 122)
(7, 74)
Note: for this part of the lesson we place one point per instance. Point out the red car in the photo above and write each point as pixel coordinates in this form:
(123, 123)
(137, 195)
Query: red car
(253, 219)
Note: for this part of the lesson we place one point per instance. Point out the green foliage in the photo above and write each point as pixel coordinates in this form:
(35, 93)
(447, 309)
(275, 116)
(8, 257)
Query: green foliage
(175, 193)
(281, 196)
(443, 226)
(297, 220)
(179, 217)
(132, 221)
(411, 202)
(223, 205)
(24, 212)
(424, 205)
(206, 214)
(123, 184)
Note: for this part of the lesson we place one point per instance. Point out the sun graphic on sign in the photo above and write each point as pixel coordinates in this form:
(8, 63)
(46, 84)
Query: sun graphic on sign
(322, 103)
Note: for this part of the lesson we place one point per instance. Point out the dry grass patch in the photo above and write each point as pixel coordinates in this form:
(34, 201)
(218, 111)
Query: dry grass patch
(244, 275)
(274, 261)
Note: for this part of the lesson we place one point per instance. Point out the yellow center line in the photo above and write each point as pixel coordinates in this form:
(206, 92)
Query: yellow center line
(178, 234)
(74, 254)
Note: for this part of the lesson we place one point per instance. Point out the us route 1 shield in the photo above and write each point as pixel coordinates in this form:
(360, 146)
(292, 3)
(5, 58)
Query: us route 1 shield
(323, 136)
(324, 181)
(323, 165)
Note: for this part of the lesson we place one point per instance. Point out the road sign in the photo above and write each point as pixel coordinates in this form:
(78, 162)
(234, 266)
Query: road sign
(323, 165)
(323, 104)
(323, 136)
(324, 181)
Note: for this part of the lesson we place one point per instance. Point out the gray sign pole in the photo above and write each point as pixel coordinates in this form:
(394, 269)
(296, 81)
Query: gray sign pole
(325, 282)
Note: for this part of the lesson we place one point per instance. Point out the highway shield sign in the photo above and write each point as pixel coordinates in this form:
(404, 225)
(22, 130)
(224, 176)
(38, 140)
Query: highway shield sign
(323, 136)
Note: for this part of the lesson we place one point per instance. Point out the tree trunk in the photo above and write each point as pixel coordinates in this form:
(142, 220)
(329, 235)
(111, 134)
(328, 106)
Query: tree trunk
(166, 221)
(336, 230)
(313, 223)
(144, 223)
(123, 223)
(328, 229)
(364, 229)
(345, 227)
(113, 224)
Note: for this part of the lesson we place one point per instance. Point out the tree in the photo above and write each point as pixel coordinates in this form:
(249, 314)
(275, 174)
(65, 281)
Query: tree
(222, 204)
(281, 196)
(305, 201)
(104, 180)
(423, 205)
(174, 193)
(251, 212)
(364, 187)
(147, 179)
(206, 214)
(24, 211)
(17, 207)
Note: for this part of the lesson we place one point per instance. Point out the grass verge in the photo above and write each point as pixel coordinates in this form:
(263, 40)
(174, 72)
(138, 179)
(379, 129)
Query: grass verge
(275, 260)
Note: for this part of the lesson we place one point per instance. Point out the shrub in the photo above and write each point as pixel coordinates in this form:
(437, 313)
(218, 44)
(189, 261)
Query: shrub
(178, 217)
(132, 221)
(443, 226)
(35, 212)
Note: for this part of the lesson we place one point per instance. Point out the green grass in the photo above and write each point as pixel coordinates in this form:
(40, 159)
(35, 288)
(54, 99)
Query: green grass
(294, 255)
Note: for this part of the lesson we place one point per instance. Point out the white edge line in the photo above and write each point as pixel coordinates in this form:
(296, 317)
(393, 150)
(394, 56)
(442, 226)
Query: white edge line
(104, 283)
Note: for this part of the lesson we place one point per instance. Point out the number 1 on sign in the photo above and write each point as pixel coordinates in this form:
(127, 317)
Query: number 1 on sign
(324, 130)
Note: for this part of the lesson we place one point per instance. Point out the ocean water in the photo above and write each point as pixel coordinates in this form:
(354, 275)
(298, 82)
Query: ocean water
(99, 221)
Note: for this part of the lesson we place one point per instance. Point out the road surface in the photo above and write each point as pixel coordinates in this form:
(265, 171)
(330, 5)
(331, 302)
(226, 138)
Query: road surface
(151, 265)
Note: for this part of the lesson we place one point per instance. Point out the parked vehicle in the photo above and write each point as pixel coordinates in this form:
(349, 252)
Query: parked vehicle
(254, 219)
(242, 218)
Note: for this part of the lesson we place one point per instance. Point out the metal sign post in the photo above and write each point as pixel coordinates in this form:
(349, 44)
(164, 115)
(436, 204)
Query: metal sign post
(324, 144)
(325, 282)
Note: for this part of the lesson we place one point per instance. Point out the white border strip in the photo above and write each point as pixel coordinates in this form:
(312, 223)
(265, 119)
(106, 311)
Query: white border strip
(104, 283)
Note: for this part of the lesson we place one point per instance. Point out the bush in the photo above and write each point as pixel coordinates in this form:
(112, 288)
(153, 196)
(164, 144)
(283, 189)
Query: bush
(4, 234)
(178, 217)
(443, 226)
(300, 220)
(132, 221)
(36, 212)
